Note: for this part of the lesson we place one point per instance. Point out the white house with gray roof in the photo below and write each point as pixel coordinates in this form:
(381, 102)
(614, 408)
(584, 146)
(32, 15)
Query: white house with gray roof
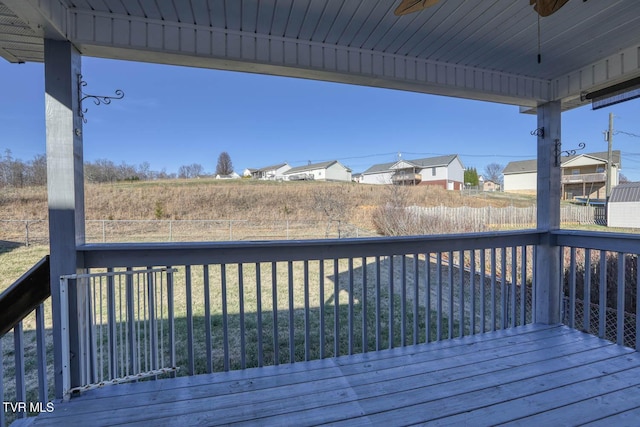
(444, 171)
(272, 172)
(325, 171)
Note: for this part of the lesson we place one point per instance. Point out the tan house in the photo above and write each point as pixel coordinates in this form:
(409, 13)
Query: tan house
(490, 186)
(583, 175)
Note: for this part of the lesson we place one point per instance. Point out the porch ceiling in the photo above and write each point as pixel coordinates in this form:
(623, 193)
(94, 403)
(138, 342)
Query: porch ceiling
(480, 50)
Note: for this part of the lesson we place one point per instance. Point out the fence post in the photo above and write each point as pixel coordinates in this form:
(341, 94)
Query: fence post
(104, 232)
(171, 230)
(230, 229)
(26, 226)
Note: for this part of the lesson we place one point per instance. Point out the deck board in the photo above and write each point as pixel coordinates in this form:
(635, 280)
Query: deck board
(529, 375)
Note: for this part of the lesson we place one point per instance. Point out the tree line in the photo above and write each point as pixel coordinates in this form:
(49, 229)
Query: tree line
(18, 173)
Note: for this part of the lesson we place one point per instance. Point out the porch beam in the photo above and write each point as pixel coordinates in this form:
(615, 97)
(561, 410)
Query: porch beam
(64, 187)
(547, 262)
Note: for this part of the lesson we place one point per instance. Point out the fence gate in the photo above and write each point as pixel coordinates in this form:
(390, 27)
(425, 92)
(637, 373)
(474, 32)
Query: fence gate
(126, 326)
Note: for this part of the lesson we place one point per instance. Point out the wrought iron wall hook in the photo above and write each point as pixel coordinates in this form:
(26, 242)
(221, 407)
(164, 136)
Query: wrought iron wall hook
(559, 151)
(538, 132)
(97, 99)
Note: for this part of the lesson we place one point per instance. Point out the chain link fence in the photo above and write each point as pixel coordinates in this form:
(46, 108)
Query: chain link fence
(610, 322)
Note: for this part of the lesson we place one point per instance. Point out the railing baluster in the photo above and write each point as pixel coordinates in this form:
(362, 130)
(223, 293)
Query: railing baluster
(259, 314)
(427, 296)
(450, 286)
(493, 290)
(41, 356)
(602, 303)
(350, 314)
(131, 317)
(483, 266)
(171, 316)
(416, 296)
(586, 326)
(503, 288)
(572, 288)
(378, 306)
(274, 299)
(620, 299)
(438, 296)
(472, 292)
(190, 350)
(391, 302)
(225, 314)
(207, 317)
(403, 301)
(523, 285)
(18, 350)
(365, 302)
(292, 350)
(514, 285)
(461, 292)
(153, 325)
(336, 309)
(321, 297)
(243, 339)
(111, 313)
(307, 329)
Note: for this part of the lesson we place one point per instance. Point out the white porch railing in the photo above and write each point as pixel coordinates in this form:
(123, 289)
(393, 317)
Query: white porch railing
(600, 278)
(246, 304)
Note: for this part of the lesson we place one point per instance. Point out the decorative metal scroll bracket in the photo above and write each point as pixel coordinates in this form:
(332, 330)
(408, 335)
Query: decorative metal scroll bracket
(559, 151)
(97, 99)
(538, 132)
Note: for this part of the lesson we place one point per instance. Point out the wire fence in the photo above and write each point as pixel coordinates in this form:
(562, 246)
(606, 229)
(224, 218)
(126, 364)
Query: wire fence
(36, 232)
(610, 322)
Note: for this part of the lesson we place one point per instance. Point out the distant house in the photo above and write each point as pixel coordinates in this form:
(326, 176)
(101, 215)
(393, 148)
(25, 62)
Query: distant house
(490, 186)
(272, 172)
(326, 171)
(248, 172)
(443, 171)
(583, 175)
(232, 175)
(624, 205)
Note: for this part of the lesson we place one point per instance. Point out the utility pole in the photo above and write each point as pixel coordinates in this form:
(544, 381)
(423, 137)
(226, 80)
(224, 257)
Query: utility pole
(609, 156)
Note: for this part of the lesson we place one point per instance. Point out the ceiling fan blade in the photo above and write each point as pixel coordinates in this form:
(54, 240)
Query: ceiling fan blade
(547, 7)
(411, 6)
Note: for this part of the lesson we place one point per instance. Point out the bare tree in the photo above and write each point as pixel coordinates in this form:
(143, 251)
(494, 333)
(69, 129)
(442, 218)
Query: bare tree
(330, 201)
(190, 171)
(493, 172)
(224, 167)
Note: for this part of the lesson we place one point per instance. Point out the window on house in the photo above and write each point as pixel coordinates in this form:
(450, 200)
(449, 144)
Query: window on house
(600, 169)
(433, 171)
(575, 171)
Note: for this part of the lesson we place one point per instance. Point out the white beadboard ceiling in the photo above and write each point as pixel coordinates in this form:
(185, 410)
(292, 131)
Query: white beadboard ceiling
(476, 49)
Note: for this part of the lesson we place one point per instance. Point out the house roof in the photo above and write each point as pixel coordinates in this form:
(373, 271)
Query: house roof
(269, 168)
(627, 192)
(315, 166)
(528, 166)
(428, 162)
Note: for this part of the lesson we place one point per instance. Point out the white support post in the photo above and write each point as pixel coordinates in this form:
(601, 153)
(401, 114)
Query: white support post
(547, 263)
(65, 192)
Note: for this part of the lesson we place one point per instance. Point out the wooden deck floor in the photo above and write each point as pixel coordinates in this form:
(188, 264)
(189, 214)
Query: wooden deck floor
(533, 375)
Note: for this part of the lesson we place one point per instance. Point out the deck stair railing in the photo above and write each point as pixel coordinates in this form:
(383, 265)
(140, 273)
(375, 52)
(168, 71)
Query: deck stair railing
(253, 304)
(25, 379)
(125, 325)
(600, 281)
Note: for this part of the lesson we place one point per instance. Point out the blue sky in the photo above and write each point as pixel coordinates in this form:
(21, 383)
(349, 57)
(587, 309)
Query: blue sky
(172, 116)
